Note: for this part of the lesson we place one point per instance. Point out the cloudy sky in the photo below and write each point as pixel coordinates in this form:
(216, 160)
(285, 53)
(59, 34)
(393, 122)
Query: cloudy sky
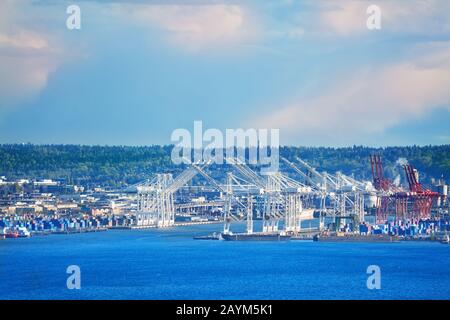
(137, 70)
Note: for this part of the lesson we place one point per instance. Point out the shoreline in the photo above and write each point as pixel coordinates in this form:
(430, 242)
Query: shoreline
(296, 238)
(102, 229)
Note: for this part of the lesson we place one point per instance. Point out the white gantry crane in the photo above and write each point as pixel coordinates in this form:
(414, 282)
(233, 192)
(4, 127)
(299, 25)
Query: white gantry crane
(277, 196)
(156, 199)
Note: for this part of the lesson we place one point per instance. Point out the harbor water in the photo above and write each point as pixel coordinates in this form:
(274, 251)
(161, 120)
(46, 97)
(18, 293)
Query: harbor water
(169, 264)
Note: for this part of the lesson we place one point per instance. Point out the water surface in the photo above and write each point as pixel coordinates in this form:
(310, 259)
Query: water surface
(169, 264)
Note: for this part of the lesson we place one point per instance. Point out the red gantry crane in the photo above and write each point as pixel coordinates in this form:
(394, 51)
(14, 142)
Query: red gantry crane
(410, 205)
(383, 186)
(380, 182)
(422, 200)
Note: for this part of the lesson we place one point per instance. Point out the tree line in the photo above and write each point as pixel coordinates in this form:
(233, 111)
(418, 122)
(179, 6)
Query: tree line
(121, 165)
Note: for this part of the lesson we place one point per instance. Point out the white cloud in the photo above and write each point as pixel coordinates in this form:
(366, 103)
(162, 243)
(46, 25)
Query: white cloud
(370, 100)
(23, 76)
(344, 18)
(195, 27)
(348, 17)
(24, 39)
(27, 57)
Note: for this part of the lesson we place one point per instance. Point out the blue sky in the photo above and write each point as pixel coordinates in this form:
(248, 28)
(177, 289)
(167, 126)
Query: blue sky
(137, 70)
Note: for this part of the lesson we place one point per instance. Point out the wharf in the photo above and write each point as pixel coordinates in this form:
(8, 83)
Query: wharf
(348, 237)
(45, 233)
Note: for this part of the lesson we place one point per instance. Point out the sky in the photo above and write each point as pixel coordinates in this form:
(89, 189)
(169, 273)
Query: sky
(138, 70)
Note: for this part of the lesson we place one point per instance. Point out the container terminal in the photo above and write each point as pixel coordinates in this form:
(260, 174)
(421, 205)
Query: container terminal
(337, 207)
(347, 210)
(343, 208)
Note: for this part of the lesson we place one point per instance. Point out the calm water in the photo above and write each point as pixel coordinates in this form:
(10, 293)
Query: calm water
(168, 264)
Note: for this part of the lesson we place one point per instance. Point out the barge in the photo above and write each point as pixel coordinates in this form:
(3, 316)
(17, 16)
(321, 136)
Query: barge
(214, 236)
(348, 237)
(257, 236)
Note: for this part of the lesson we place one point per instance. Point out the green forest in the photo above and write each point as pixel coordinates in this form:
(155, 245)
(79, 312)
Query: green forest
(120, 165)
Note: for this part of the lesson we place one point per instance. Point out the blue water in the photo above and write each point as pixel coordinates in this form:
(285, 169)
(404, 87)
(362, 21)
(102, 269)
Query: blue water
(168, 264)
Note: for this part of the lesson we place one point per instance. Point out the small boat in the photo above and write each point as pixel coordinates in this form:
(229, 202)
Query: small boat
(446, 239)
(11, 234)
(23, 232)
